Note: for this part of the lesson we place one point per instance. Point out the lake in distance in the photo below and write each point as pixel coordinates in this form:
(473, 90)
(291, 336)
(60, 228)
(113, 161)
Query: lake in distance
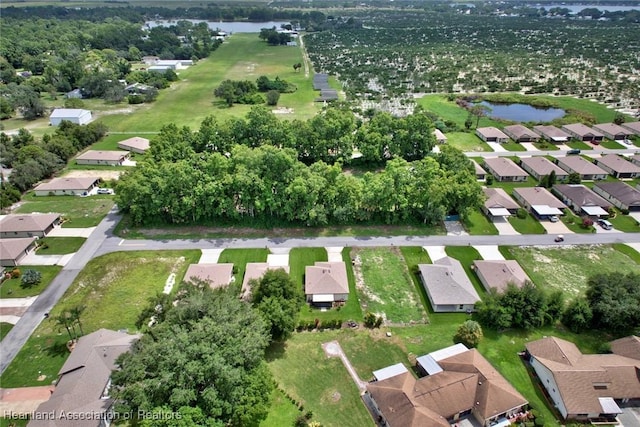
(523, 112)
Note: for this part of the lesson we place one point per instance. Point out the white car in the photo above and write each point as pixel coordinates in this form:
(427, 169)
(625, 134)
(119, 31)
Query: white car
(104, 191)
(554, 218)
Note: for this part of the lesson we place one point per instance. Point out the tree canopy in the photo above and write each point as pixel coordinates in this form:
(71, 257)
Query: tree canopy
(614, 299)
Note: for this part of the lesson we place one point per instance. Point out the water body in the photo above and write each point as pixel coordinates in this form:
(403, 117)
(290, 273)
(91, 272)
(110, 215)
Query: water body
(575, 8)
(229, 27)
(523, 112)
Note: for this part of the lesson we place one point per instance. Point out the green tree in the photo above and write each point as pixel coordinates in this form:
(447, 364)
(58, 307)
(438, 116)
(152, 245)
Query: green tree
(574, 178)
(469, 334)
(619, 118)
(577, 315)
(30, 278)
(614, 299)
(272, 97)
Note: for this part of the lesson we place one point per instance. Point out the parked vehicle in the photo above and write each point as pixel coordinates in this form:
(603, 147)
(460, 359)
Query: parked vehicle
(554, 218)
(105, 191)
(606, 225)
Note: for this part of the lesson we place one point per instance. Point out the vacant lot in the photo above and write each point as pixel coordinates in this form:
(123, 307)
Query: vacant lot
(11, 288)
(569, 268)
(77, 211)
(385, 286)
(113, 288)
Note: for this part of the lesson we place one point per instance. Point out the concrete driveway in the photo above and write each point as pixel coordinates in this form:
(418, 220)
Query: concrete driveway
(489, 252)
(529, 146)
(33, 259)
(334, 254)
(71, 232)
(435, 252)
(601, 230)
(504, 227)
(555, 227)
(497, 147)
(210, 256)
(635, 215)
(455, 228)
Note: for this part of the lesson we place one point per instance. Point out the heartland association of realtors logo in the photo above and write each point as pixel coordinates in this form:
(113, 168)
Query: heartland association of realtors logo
(90, 415)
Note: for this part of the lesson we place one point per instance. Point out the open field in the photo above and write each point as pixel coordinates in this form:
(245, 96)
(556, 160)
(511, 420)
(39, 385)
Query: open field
(466, 142)
(385, 286)
(414, 255)
(11, 288)
(59, 245)
(240, 257)
(114, 288)
(568, 268)
(449, 110)
(77, 211)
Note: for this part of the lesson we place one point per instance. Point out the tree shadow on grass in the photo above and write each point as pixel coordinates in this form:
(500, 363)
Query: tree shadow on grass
(275, 350)
(57, 349)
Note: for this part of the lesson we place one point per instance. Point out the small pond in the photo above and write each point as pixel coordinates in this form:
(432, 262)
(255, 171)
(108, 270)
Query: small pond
(229, 27)
(523, 112)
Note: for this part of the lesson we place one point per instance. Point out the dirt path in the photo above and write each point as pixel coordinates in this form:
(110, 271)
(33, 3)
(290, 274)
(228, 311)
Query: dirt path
(305, 57)
(333, 349)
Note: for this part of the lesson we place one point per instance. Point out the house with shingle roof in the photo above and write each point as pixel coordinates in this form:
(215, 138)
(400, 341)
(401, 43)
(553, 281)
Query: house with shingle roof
(83, 387)
(613, 131)
(28, 225)
(498, 203)
(520, 133)
(67, 186)
(584, 387)
(466, 385)
(552, 133)
(504, 169)
(627, 347)
(617, 166)
(582, 199)
(583, 133)
(499, 274)
(447, 286)
(441, 138)
(584, 168)
(326, 283)
(98, 157)
(539, 167)
(135, 144)
(13, 250)
(635, 159)
(633, 127)
(492, 134)
(215, 275)
(539, 201)
(255, 271)
(480, 173)
(623, 196)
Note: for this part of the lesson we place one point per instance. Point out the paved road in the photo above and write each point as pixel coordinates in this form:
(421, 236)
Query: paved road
(30, 320)
(485, 154)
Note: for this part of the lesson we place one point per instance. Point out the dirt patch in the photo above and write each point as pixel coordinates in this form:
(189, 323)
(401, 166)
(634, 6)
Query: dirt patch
(283, 110)
(105, 175)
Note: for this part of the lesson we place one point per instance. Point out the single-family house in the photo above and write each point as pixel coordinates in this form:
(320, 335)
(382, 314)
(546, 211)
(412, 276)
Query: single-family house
(623, 196)
(539, 167)
(504, 169)
(83, 389)
(520, 133)
(13, 250)
(389, 371)
(28, 225)
(583, 133)
(326, 283)
(582, 200)
(73, 115)
(98, 157)
(160, 68)
(499, 274)
(255, 271)
(74, 94)
(447, 286)
(617, 166)
(627, 347)
(150, 59)
(584, 387)
(135, 144)
(539, 201)
(67, 186)
(481, 174)
(465, 386)
(635, 159)
(584, 168)
(492, 134)
(498, 203)
(552, 133)
(215, 275)
(633, 127)
(441, 138)
(613, 131)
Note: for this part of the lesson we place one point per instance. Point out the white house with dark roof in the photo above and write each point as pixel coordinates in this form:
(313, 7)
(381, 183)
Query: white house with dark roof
(623, 196)
(617, 166)
(552, 133)
(539, 167)
(28, 225)
(583, 133)
(492, 134)
(498, 203)
(67, 186)
(584, 168)
(73, 115)
(613, 131)
(520, 133)
(447, 286)
(13, 250)
(633, 127)
(539, 201)
(99, 157)
(504, 169)
(326, 283)
(582, 199)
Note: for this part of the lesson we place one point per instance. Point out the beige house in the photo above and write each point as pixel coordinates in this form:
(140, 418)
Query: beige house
(584, 168)
(635, 159)
(110, 158)
(520, 133)
(28, 225)
(462, 385)
(633, 127)
(583, 133)
(447, 286)
(255, 271)
(481, 174)
(582, 200)
(498, 203)
(586, 387)
(539, 167)
(623, 196)
(617, 166)
(552, 133)
(441, 138)
(539, 201)
(83, 388)
(215, 275)
(504, 169)
(135, 144)
(499, 274)
(67, 186)
(326, 283)
(613, 131)
(13, 250)
(492, 134)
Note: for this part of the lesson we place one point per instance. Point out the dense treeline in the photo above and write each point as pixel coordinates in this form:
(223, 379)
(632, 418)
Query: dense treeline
(202, 177)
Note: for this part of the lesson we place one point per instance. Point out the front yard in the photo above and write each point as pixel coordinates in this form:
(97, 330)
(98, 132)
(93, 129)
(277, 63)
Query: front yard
(59, 245)
(11, 288)
(77, 211)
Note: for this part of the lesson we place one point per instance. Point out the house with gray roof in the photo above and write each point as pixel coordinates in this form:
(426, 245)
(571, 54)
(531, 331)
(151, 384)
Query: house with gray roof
(504, 169)
(613, 131)
(67, 186)
(499, 274)
(441, 138)
(28, 225)
(326, 283)
(617, 166)
(447, 286)
(520, 133)
(100, 157)
(13, 250)
(633, 127)
(539, 167)
(552, 133)
(215, 275)
(539, 201)
(498, 203)
(635, 159)
(492, 134)
(623, 196)
(134, 144)
(481, 174)
(83, 388)
(582, 200)
(583, 133)
(584, 168)
(255, 271)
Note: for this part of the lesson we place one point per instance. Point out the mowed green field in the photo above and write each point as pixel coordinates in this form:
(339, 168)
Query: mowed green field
(243, 56)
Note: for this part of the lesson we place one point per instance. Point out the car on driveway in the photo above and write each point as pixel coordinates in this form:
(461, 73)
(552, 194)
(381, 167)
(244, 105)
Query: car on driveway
(104, 191)
(554, 218)
(606, 225)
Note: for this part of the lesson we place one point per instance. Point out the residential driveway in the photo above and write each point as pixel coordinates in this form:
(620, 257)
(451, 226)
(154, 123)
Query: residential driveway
(455, 228)
(210, 256)
(601, 230)
(435, 252)
(334, 253)
(333, 349)
(129, 163)
(17, 302)
(33, 259)
(555, 227)
(489, 252)
(9, 318)
(497, 147)
(529, 146)
(23, 400)
(504, 227)
(71, 232)
(635, 215)
(563, 147)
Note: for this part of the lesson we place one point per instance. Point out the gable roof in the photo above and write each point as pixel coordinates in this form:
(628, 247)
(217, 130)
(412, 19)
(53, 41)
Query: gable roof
(581, 195)
(498, 198)
(618, 164)
(71, 183)
(13, 248)
(478, 168)
(553, 133)
(492, 132)
(27, 222)
(136, 142)
(326, 278)
(68, 112)
(581, 166)
(542, 166)
(500, 273)
(216, 275)
(255, 271)
(621, 192)
(535, 196)
(582, 130)
(103, 155)
(520, 131)
(504, 167)
(611, 129)
(632, 126)
(627, 347)
(447, 283)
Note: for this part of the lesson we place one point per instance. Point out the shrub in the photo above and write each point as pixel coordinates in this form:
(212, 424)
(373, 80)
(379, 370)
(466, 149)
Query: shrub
(469, 333)
(15, 273)
(489, 179)
(372, 320)
(31, 278)
(301, 421)
(586, 222)
(135, 99)
(522, 213)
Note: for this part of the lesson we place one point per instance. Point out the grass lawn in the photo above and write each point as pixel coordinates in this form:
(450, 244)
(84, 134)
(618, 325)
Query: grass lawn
(607, 143)
(5, 422)
(385, 286)
(466, 255)
(11, 288)
(513, 146)
(110, 142)
(414, 255)
(527, 225)
(574, 222)
(77, 211)
(282, 411)
(449, 110)
(579, 145)
(568, 270)
(322, 384)
(628, 251)
(509, 186)
(625, 223)
(242, 57)
(60, 245)
(299, 258)
(114, 288)
(240, 257)
(545, 146)
(4, 329)
(370, 349)
(477, 223)
(466, 142)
